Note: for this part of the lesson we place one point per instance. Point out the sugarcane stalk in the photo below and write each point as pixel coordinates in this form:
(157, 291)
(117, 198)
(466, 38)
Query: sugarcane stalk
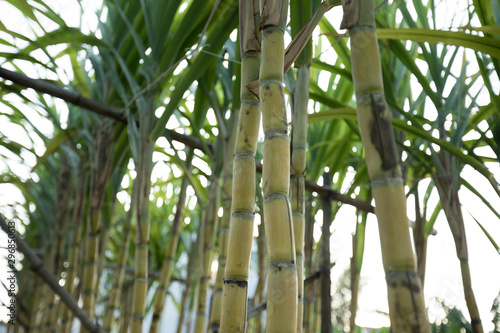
(405, 296)
(326, 282)
(309, 291)
(47, 295)
(101, 259)
(227, 194)
(126, 309)
(235, 288)
(261, 268)
(301, 12)
(74, 249)
(358, 243)
(297, 185)
(190, 278)
(282, 271)
(144, 168)
(113, 303)
(209, 232)
(216, 305)
(420, 239)
(448, 193)
(317, 310)
(100, 171)
(62, 208)
(168, 262)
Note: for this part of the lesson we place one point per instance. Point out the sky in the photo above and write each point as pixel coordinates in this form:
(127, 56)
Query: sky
(443, 279)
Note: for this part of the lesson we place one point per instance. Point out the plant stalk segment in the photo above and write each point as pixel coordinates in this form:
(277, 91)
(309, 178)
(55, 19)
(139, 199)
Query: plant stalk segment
(405, 295)
(282, 273)
(235, 288)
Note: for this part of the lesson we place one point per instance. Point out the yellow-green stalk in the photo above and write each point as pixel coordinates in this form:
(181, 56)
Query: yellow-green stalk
(210, 229)
(235, 289)
(316, 321)
(168, 262)
(309, 290)
(258, 296)
(420, 239)
(100, 171)
(297, 187)
(405, 296)
(301, 12)
(116, 288)
(90, 265)
(448, 194)
(74, 249)
(143, 179)
(358, 243)
(216, 306)
(63, 210)
(47, 294)
(103, 246)
(324, 260)
(126, 309)
(190, 278)
(282, 271)
(33, 310)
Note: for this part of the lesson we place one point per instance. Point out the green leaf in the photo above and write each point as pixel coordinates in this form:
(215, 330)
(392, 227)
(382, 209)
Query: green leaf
(457, 38)
(487, 234)
(62, 36)
(342, 113)
(53, 145)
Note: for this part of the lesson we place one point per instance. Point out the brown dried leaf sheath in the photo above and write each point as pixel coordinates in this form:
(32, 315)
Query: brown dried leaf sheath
(351, 14)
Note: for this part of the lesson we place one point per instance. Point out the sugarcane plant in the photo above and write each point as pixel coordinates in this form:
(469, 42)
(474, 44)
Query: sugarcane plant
(301, 12)
(132, 81)
(405, 294)
(235, 289)
(282, 271)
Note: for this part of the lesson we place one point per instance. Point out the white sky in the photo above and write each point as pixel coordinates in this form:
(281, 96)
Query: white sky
(443, 280)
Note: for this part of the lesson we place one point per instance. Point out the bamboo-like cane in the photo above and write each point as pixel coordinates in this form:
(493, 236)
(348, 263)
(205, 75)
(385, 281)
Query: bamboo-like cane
(258, 297)
(448, 194)
(168, 262)
(65, 192)
(74, 248)
(100, 172)
(282, 272)
(126, 309)
(209, 232)
(405, 296)
(420, 240)
(143, 179)
(190, 278)
(358, 243)
(301, 12)
(216, 306)
(117, 286)
(324, 261)
(297, 184)
(50, 280)
(297, 188)
(316, 324)
(235, 289)
(309, 291)
(47, 295)
(227, 195)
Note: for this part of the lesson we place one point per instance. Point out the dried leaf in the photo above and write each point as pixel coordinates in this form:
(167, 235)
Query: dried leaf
(249, 40)
(351, 14)
(271, 14)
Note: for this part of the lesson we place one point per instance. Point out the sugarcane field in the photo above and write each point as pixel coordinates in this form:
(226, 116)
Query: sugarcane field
(248, 166)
